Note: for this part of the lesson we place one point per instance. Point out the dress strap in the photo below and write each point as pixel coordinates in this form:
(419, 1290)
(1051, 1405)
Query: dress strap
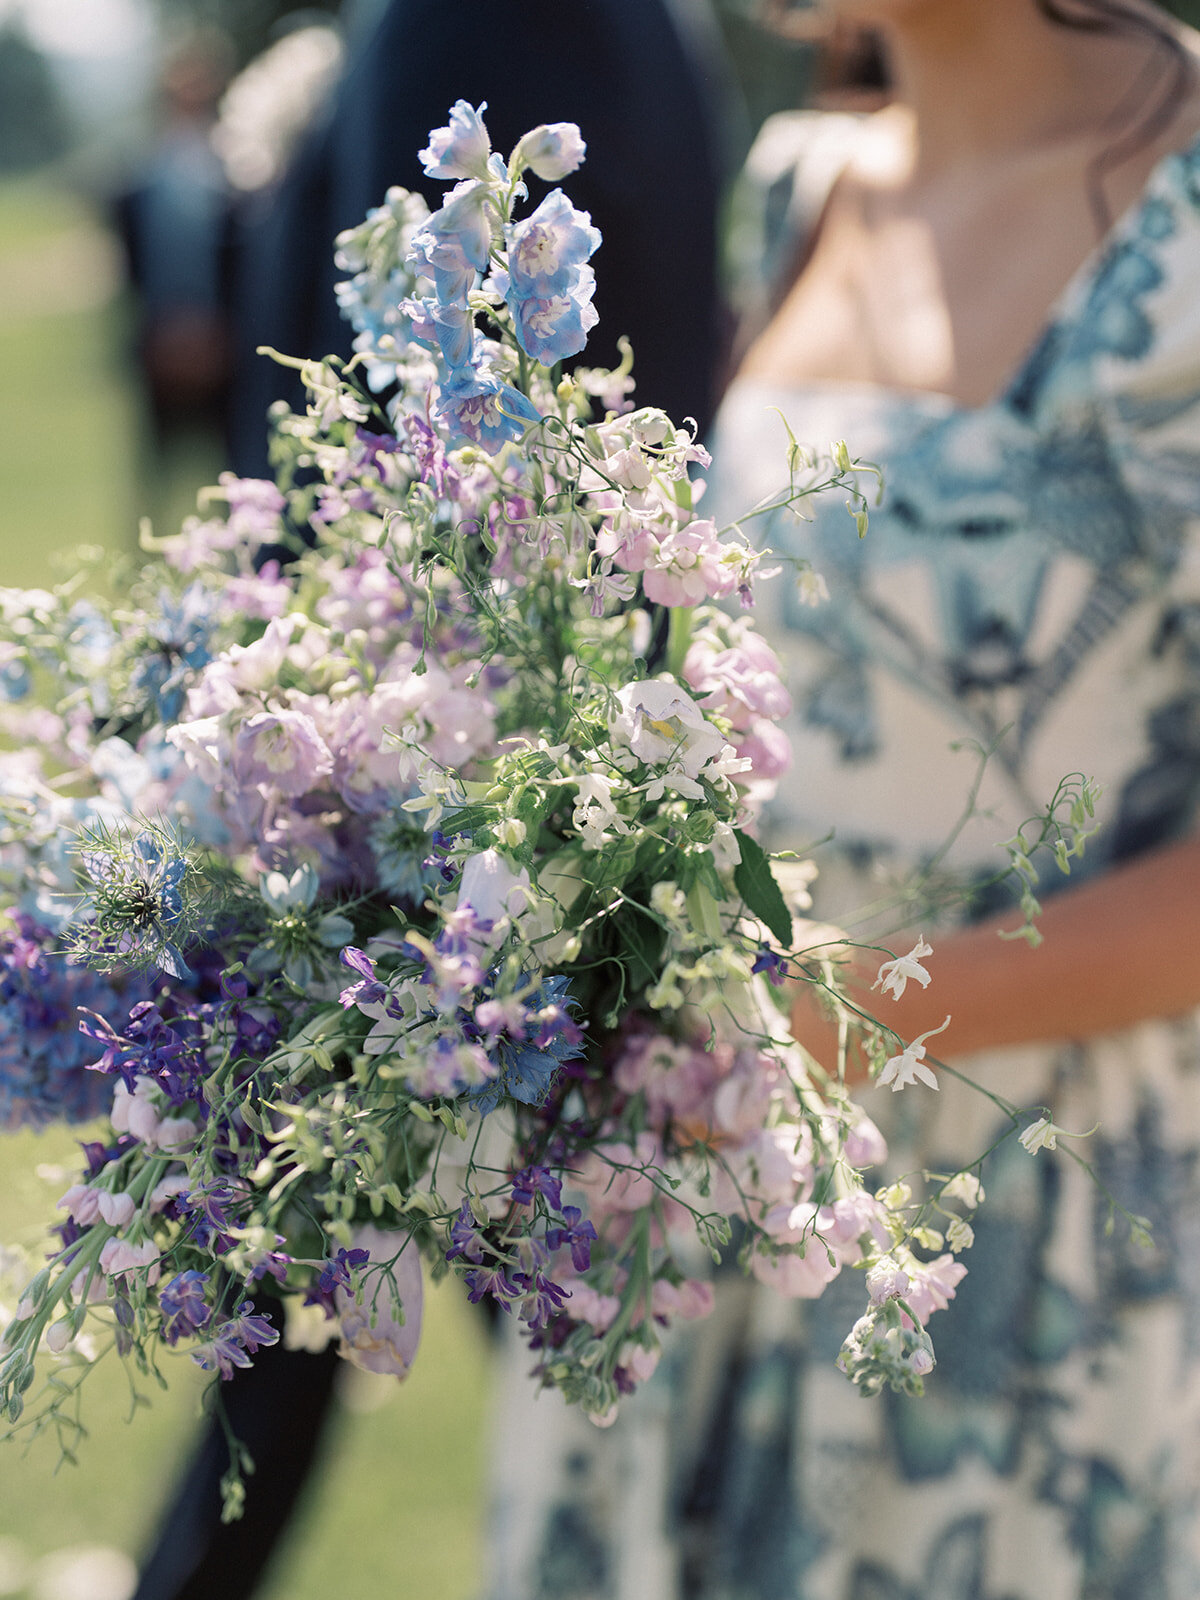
(795, 160)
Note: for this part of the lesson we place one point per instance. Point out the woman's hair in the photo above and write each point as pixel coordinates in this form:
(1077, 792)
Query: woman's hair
(1154, 97)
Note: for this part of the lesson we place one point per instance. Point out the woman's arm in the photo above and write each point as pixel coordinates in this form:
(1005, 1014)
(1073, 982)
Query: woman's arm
(1118, 950)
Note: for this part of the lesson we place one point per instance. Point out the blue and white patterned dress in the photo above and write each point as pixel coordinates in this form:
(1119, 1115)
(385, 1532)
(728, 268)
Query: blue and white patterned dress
(1036, 566)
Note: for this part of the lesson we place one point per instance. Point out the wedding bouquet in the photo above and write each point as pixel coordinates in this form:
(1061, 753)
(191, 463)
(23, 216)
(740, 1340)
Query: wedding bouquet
(382, 867)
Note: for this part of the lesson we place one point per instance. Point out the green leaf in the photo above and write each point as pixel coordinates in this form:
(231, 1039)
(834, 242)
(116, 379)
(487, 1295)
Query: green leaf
(755, 882)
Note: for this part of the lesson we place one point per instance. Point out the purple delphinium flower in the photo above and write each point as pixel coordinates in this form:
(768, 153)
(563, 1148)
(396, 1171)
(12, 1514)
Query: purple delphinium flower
(184, 1307)
(543, 1299)
(494, 1281)
(44, 1057)
(336, 1274)
(235, 1342)
(576, 1236)
(205, 1211)
(368, 991)
(465, 1240)
(429, 454)
(536, 1180)
(772, 963)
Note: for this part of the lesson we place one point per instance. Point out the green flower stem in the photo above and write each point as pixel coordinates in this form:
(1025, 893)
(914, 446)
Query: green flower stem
(679, 636)
(637, 1293)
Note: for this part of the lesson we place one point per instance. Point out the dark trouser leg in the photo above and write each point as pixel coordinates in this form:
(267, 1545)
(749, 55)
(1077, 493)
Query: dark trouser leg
(278, 1409)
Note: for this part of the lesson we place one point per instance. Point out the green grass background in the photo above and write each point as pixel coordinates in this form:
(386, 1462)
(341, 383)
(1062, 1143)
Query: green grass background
(395, 1511)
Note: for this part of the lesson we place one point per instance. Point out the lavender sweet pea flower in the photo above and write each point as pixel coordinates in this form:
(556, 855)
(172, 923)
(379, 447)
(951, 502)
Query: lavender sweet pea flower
(551, 150)
(545, 247)
(461, 149)
(283, 749)
(479, 408)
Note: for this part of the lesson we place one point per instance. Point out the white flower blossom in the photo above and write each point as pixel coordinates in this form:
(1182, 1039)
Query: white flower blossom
(960, 1235)
(964, 1186)
(909, 1065)
(1041, 1135)
(894, 975)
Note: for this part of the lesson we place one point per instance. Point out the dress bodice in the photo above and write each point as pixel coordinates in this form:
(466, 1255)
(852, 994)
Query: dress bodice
(1034, 567)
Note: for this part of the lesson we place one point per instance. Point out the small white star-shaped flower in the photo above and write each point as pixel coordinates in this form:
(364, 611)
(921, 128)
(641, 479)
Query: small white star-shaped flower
(1041, 1135)
(910, 1065)
(894, 975)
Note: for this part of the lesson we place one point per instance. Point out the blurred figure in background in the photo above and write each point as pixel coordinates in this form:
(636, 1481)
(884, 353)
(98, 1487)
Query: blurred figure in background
(174, 223)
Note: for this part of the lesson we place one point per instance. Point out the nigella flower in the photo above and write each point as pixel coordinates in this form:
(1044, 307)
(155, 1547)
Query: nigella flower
(184, 1307)
(135, 895)
(526, 1068)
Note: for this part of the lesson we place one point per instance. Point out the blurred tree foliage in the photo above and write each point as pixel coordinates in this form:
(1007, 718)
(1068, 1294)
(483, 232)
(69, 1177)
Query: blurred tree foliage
(35, 126)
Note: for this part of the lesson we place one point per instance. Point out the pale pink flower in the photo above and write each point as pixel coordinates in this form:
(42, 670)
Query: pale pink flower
(382, 1334)
(81, 1203)
(119, 1255)
(116, 1209)
(932, 1284)
(136, 1113)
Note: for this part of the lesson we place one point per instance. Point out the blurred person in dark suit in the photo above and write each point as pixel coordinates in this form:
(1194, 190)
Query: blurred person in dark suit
(647, 84)
(174, 222)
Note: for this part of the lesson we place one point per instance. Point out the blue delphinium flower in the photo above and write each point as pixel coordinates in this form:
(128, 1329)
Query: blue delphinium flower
(548, 285)
(477, 407)
(455, 242)
(461, 149)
